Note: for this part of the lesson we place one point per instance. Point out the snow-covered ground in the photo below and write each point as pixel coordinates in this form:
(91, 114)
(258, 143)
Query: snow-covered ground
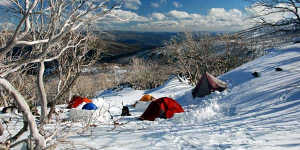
(253, 113)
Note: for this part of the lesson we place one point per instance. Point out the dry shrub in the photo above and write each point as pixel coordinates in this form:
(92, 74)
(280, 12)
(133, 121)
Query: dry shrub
(215, 54)
(88, 85)
(25, 85)
(146, 74)
(189, 55)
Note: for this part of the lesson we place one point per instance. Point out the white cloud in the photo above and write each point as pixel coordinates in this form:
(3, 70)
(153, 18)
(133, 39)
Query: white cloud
(132, 4)
(177, 4)
(217, 19)
(217, 12)
(196, 16)
(5, 3)
(155, 5)
(123, 16)
(158, 16)
(223, 15)
(178, 14)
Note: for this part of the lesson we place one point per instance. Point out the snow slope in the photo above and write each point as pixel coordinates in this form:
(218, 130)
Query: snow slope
(253, 113)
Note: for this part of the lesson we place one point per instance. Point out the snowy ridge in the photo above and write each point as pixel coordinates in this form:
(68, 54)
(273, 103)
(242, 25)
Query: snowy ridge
(253, 113)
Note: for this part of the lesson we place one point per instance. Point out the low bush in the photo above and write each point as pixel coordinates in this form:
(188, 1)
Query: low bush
(143, 74)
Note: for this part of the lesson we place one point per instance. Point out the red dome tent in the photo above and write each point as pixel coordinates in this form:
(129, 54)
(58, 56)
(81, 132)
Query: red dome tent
(207, 84)
(163, 108)
(77, 100)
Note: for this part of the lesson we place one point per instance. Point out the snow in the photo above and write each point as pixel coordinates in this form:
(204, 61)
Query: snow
(141, 106)
(253, 113)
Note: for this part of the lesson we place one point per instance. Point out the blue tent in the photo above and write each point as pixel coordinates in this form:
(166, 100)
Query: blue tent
(90, 106)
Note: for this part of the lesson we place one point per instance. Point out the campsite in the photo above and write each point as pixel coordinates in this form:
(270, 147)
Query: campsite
(252, 113)
(149, 74)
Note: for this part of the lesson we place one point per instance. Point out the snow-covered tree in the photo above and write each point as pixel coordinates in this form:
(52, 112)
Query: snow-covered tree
(53, 29)
(275, 12)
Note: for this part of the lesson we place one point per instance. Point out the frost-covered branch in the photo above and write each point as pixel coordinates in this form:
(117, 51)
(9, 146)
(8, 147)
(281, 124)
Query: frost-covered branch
(51, 30)
(23, 106)
(275, 13)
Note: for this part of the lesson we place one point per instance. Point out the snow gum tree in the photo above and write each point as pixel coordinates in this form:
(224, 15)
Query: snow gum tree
(276, 13)
(55, 30)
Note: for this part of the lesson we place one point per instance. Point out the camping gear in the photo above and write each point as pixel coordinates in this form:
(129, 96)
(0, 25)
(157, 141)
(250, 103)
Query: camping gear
(125, 111)
(278, 69)
(164, 107)
(207, 84)
(77, 100)
(147, 98)
(256, 74)
(90, 106)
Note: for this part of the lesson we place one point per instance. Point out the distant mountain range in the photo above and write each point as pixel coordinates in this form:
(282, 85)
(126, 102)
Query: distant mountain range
(145, 39)
(127, 43)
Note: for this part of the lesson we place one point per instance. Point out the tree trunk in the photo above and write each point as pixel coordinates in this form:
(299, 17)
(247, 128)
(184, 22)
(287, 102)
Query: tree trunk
(1, 129)
(69, 83)
(42, 93)
(23, 106)
(5, 103)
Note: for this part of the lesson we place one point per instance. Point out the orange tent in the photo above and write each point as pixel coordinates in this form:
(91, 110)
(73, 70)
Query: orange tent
(77, 100)
(147, 98)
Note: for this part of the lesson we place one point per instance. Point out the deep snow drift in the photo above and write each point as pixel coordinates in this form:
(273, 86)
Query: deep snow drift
(253, 113)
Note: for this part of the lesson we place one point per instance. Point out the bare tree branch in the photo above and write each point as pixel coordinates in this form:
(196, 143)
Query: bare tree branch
(53, 30)
(26, 112)
(289, 9)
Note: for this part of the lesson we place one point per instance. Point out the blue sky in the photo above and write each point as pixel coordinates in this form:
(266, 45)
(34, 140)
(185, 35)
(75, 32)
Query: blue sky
(178, 15)
(191, 6)
(175, 15)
